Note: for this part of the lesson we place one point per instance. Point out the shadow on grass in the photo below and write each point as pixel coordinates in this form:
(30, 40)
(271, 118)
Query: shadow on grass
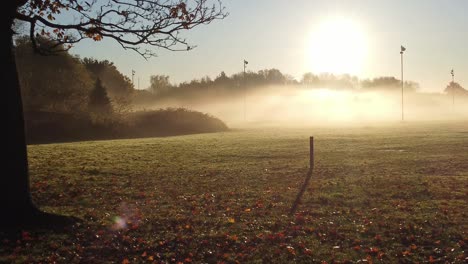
(37, 221)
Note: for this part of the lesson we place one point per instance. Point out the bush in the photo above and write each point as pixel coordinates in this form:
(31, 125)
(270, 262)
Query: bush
(48, 127)
(173, 121)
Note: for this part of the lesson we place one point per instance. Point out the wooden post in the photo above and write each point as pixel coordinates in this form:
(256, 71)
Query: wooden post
(307, 180)
(311, 157)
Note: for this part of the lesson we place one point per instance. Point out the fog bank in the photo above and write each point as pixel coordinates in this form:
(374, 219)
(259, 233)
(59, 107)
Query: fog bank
(284, 105)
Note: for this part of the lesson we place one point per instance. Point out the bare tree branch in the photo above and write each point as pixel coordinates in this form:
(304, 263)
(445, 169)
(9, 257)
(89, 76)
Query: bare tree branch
(134, 24)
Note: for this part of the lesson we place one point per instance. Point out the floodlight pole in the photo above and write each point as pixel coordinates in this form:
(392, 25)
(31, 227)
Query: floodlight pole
(453, 90)
(245, 93)
(402, 87)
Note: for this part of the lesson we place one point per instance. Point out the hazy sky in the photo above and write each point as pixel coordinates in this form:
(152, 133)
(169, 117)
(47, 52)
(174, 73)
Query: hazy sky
(361, 37)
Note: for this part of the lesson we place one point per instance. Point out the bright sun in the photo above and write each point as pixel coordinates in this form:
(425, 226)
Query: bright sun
(337, 46)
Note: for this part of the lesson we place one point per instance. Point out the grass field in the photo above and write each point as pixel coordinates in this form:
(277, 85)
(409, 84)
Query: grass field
(384, 194)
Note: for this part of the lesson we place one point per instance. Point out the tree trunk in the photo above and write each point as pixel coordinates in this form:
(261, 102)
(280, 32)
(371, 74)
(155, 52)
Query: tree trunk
(15, 199)
(16, 207)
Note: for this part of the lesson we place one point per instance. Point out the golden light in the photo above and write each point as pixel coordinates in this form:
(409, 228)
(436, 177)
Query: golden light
(337, 46)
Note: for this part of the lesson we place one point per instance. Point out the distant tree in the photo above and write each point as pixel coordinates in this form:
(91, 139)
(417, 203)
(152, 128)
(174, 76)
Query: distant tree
(134, 24)
(388, 84)
(456, 89)
(350, 81)
(115, 82)
(118, 86)
(310, 80)
(99, 102)
(221, 79)
(337, 82)
(330, 81)
(272, 76)
(252, 80)
(206, 81)
(159, 84)
(62, 86)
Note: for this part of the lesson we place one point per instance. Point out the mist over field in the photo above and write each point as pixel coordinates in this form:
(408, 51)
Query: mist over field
(293, 106)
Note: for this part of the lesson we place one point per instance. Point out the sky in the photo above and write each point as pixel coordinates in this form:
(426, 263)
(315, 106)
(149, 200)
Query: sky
(359, 37)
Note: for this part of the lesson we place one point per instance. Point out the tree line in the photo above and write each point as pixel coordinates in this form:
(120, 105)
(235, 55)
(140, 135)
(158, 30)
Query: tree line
(160, 84)
(89, 86)
(224, 86)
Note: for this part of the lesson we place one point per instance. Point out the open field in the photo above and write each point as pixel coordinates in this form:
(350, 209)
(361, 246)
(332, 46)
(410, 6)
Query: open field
(383, 194)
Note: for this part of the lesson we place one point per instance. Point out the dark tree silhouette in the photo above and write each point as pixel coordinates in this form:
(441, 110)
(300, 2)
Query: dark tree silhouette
(99, 101)
(134, 24)
(115, 82)
(118, 86)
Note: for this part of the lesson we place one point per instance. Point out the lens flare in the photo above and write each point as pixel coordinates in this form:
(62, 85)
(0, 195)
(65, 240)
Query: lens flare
(119, 223)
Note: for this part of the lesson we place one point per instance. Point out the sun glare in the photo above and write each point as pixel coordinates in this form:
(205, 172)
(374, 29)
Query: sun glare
(337, 46)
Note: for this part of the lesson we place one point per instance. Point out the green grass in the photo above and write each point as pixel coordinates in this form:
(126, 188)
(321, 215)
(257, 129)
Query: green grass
(387, 194)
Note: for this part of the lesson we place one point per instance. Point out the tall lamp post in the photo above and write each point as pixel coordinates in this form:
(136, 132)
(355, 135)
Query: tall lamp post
(245, 92)
(453, 90)
(133, 75)
(402, 49)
